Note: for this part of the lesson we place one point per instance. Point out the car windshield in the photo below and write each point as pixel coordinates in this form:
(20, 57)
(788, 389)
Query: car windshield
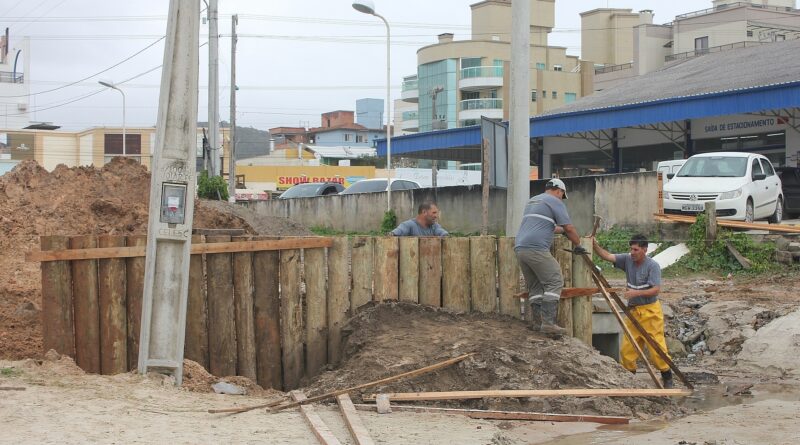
(714, 167)
(365, 187)
(302, 191)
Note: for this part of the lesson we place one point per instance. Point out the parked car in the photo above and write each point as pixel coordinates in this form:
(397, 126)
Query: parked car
(667, 167)
(379, 185)
(790, 182)
(311, 189)
(744, 186)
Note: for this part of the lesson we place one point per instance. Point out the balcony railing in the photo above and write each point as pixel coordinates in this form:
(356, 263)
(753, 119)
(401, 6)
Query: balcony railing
(481, 104)
(410, 115)
(713, 49)
(731, 5)
(612, 68)
(481, 71)
(9, 77)
(409, 85)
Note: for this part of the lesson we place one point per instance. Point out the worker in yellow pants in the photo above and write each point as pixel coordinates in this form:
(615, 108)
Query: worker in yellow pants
(644, 283)
(651, 318)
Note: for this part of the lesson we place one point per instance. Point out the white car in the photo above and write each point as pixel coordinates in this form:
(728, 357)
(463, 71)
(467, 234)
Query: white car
(744, 186)
(379, 185)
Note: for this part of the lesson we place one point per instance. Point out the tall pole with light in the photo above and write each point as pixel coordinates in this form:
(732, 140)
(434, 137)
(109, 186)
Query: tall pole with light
(367, 7)
(114, 87)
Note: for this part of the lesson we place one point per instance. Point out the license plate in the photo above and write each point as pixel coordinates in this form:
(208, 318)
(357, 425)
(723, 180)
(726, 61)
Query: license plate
(693, 207)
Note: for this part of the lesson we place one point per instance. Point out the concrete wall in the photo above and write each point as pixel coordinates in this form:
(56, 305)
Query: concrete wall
(627, 200)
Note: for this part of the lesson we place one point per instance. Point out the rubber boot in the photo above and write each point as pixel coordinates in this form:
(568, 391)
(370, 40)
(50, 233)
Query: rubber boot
(666, 379)
(549, 317)
(536, 315)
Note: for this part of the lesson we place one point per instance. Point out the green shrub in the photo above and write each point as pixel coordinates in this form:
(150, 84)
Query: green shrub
(389, 221)
(212, 188)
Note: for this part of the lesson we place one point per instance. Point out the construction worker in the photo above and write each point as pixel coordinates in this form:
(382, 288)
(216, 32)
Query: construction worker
(424, 224)
(644, 283)
(545, 215)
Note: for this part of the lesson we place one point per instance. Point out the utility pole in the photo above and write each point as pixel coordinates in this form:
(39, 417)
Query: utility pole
(434, 120)
(519, 159)
(213, 87)
(232, 145)
(172, 189)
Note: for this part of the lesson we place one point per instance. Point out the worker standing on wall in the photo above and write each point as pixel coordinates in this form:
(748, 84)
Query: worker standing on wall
(545, 215)
(644, 283)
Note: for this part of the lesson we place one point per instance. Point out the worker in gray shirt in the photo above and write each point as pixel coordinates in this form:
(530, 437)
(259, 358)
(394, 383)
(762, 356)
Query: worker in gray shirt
(423, 225)
(545, 215)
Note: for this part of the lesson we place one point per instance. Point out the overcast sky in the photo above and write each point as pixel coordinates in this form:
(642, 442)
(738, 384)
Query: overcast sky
(296, 58)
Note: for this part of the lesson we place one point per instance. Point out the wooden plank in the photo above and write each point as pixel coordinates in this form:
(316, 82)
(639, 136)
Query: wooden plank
(113, 309)
(229, 232)
(362, 248)
(508, 275)
(354, 424)
(386, 268)
(291, 319)
(455, 274)
(316, 324)
(222, 350)
(483, 274)
(269, 368)
(243, 289)
(134, 275)
(86, 305)
(744, 262)
(338, 295)
(409, 269)
(505, 415)
(430, 271)
(783, 228)
(321, 431)
(565, 318)
(521, 393)
(196, 344)
(582, 306)
(58, 326)
(127, 252)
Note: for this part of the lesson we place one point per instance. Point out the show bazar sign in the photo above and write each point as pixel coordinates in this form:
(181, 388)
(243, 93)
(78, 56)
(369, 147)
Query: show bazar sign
(737, 125)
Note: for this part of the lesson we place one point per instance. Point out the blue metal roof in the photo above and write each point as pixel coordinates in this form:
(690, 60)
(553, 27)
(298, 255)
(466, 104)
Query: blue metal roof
(433, 140)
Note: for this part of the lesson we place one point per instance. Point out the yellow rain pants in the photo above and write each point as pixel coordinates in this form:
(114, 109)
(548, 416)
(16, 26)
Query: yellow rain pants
(651, 318)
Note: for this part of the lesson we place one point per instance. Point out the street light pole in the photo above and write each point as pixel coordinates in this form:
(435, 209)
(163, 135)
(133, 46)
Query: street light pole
(114, 87)
(367, 7)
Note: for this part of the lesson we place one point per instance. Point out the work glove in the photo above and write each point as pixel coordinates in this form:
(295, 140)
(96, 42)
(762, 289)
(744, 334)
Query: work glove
(579, 250)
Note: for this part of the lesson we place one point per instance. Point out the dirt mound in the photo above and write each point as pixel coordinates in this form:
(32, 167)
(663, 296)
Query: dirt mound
(197, 379)
(79, 201)
(391, 338)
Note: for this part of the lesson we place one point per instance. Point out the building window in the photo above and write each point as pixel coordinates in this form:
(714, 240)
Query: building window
(361, 138)
(558, 68)
(112, 146)
(701, 44)
(348, 137)
(541, 66)
(533, 95)
(570, 97)
(544, 94)
(749, 33)
(555, 95)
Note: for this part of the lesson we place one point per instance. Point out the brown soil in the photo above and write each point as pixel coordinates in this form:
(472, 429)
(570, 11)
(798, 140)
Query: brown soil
(391, 338)
(81, 201)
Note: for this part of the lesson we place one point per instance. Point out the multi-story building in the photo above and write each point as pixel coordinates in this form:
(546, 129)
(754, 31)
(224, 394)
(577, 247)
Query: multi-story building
(623, 44)
(458, 81)
(14, 83)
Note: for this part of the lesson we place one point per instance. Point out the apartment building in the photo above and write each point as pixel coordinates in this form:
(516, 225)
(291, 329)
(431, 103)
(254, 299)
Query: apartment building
(623, 44)
(458, 81)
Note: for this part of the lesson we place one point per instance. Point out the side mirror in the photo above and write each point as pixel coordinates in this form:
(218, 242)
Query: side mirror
(759, 177)
(670, 175)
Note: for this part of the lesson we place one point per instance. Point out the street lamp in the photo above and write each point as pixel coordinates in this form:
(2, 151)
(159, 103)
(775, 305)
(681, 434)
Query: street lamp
(114, 87)
(367, 7)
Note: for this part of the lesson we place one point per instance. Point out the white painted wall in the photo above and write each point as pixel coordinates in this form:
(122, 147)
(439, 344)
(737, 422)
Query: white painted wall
(85, 150)
(59, 150)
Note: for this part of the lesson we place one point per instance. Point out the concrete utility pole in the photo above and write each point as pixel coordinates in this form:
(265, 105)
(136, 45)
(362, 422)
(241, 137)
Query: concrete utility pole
(519, 159)
(434, 119)
(213, 87)
(172, 189)
(232, 145)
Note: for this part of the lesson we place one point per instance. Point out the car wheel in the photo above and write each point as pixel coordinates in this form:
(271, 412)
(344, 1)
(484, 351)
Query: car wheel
(777, 217)
(748, 211)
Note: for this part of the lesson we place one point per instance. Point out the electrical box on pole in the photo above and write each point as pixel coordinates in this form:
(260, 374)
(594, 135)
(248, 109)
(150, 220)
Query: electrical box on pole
(172, 190)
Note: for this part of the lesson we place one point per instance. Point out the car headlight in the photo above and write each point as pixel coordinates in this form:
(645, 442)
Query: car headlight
(731, 195)
(666, 195)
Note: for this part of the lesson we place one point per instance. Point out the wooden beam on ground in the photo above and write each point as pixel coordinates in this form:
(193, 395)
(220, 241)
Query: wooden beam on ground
(783, 228)
(323, 434)
(505, 415)
(524, 393)
(354, 424)
(745, 263)
(228, 247)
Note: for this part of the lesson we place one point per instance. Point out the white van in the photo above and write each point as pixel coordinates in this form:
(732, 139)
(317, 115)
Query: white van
(667, 167)
(744, 186)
